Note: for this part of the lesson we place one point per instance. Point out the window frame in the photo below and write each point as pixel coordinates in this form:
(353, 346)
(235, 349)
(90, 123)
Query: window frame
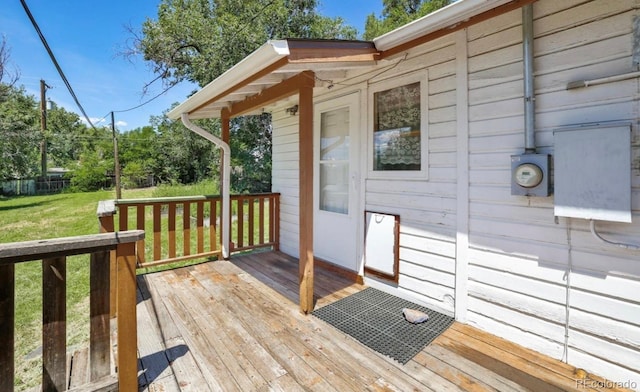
(388, 84)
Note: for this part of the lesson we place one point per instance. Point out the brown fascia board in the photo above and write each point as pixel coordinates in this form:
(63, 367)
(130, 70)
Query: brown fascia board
(328, 50)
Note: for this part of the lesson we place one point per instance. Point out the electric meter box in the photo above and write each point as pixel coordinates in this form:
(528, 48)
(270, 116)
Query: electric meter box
(592, 172)
(530, 175)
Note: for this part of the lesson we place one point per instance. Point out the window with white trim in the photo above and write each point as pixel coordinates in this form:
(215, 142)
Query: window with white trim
(398, 138)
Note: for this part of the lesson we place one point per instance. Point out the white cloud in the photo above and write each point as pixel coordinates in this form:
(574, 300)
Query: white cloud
(121, 124)
(97, 121)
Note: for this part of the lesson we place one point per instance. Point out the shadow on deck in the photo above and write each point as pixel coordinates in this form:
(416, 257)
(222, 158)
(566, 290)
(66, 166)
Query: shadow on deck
(235, 326)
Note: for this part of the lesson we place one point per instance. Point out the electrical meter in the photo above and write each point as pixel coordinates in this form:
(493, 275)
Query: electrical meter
(530, 175)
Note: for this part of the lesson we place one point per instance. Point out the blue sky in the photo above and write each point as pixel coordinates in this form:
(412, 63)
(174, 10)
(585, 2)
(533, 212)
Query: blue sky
(86, 37)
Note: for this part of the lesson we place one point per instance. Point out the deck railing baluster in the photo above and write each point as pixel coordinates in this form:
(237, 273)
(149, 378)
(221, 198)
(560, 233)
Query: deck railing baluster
(240, 221)
(157, 231)
(123, 221)
(140, 224)
(100, 281)
(261, 220)
(7, 322)
(213, 239)
(250, 221)
(172, 230)
(200, 226)
(275, 223)
(186, 228)
(54, 324)
(271, 219)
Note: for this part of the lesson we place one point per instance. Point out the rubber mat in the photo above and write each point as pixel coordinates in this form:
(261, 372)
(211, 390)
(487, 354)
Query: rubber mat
(375, 319)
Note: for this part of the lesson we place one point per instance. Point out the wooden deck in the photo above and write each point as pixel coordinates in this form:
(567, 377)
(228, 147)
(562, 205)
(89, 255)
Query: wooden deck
(235, 326)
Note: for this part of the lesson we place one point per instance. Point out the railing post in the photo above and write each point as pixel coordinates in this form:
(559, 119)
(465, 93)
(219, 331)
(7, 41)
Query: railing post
(106, 211)
(54, 324)
(99, 303)
(7, 326)
(127, 327)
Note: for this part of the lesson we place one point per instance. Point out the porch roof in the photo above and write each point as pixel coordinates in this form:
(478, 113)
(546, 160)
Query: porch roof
(329, 60)
(273, 63)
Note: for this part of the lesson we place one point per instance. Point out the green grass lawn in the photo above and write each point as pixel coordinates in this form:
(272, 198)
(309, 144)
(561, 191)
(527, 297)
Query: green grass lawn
(42, 217)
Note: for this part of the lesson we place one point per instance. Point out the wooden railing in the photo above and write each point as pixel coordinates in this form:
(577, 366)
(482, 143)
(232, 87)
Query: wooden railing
(53, 253)
(185, 228)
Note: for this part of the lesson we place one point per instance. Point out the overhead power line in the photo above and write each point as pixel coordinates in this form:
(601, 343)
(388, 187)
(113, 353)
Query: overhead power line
(55, 62)
(147, 101)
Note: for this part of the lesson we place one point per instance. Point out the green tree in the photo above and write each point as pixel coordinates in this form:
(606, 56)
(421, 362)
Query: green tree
(67, 137)
(91, 171)
(251, 154)
(138, 154)
(94, 166)
(184, 157)
(19, 133)
(396, 13)
(197, 40)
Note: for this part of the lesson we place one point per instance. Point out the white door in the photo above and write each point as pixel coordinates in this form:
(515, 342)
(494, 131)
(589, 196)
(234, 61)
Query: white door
(336, 181)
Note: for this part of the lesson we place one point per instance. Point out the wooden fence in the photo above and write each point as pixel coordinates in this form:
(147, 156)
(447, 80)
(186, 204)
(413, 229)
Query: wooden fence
(53, 253)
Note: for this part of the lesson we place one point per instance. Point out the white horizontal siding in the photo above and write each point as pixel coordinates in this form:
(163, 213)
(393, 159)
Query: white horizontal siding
(285, 179)
(427, 208)
(519, 256)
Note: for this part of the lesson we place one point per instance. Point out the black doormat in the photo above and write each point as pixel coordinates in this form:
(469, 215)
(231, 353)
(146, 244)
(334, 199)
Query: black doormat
(375, 319)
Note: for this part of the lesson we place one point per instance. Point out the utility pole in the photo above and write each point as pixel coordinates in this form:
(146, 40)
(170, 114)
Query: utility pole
(43, 128)
(115, 158)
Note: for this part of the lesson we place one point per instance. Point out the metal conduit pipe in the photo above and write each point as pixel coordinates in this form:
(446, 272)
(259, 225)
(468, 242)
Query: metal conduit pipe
(529, 93)
(226, 170)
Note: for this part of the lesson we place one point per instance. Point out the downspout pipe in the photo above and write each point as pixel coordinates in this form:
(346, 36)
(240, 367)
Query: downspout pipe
(226, 170)
(529, 93)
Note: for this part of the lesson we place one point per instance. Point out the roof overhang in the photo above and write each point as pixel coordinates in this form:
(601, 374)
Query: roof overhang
(329, 60)
(273, 63)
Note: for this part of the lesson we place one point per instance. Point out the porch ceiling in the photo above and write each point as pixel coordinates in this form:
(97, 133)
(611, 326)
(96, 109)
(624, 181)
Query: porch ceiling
(273, 63)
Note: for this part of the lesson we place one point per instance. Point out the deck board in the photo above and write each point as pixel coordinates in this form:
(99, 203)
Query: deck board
(236, 326)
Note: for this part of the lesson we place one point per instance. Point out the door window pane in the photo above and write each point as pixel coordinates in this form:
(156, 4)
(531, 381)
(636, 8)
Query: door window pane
(334, 161)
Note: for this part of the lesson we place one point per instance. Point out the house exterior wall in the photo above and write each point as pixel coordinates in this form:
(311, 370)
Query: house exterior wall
(504, 263)
(521, 285)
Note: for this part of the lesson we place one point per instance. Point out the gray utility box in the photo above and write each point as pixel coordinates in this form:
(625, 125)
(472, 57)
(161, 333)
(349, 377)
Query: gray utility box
(592, 172)
(530, 175)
